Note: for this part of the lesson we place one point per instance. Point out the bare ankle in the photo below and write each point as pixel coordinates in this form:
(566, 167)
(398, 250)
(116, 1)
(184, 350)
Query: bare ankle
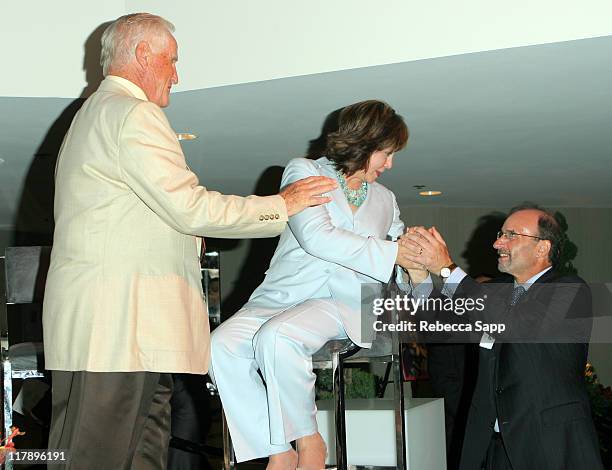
(287, 460)
(312, 452)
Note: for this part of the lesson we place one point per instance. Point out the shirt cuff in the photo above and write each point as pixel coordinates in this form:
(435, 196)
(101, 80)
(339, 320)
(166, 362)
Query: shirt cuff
(450, 285)
(422, 290)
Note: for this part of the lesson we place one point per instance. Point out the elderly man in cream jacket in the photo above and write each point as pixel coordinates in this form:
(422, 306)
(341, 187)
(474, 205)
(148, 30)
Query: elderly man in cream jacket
(123, 305)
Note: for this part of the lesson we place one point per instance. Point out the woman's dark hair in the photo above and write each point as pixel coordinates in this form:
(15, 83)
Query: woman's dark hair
(364, 128)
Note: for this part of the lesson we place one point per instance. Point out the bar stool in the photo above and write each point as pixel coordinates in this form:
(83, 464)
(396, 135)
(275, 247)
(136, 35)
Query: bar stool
(334, 355)
(386, 348)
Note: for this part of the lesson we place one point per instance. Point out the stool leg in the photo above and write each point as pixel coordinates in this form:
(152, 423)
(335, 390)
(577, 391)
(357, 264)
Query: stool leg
(385, 381)
(229, 459)
(400, 424)
(340, 408)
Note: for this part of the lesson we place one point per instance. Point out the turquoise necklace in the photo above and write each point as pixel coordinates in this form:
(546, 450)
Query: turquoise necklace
(356, 197)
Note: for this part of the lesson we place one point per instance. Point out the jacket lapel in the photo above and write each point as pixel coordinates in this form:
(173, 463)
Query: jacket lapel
(532, 292)
(326, 168)
(537, 286)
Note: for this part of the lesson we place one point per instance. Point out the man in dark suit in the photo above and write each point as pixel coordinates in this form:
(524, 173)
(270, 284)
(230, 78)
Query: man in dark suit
(530, 409)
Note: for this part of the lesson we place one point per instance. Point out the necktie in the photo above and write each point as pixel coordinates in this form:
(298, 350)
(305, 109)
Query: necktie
(517, 293)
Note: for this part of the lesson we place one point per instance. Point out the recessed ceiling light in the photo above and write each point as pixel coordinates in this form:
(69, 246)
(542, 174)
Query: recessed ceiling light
(430, 193)
(185, 136)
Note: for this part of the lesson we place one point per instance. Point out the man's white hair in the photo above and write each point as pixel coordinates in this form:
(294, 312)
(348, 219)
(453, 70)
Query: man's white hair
(120, 39)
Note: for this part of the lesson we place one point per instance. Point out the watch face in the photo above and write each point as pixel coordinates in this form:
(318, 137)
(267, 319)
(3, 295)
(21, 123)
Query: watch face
(445, 272)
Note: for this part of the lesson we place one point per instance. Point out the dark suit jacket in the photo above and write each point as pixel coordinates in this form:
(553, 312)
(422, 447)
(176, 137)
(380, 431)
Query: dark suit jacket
(535, 390)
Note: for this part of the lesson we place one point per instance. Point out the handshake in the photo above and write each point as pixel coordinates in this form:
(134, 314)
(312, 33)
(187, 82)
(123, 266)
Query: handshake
(422, 250)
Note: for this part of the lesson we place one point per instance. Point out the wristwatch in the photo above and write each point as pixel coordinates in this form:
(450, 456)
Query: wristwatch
(446, 271)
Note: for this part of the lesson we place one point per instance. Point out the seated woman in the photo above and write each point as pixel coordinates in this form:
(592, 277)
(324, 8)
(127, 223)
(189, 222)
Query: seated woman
(311, 293)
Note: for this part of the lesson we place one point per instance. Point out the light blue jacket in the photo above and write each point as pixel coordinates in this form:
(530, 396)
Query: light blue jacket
(328, 252)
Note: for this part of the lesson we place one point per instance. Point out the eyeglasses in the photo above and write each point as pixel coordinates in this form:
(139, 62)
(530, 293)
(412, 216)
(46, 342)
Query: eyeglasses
(511, 235)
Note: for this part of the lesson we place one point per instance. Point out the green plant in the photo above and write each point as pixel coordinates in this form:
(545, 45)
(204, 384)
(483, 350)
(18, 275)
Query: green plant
(359, 383)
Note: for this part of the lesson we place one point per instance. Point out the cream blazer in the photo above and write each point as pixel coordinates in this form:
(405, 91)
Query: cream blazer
(124, 288)
(330, 252)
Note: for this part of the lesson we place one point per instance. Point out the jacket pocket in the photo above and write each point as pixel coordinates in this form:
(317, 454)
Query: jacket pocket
(170, 313)
(561, 414)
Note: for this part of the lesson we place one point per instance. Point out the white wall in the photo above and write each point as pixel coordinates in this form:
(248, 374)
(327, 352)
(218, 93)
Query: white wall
(42, 44)
(236, 41)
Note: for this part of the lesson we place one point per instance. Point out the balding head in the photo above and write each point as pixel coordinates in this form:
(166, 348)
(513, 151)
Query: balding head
(530, 242)
(549, 228)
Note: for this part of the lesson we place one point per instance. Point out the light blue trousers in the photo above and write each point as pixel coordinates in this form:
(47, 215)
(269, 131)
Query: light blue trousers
(263, 418)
